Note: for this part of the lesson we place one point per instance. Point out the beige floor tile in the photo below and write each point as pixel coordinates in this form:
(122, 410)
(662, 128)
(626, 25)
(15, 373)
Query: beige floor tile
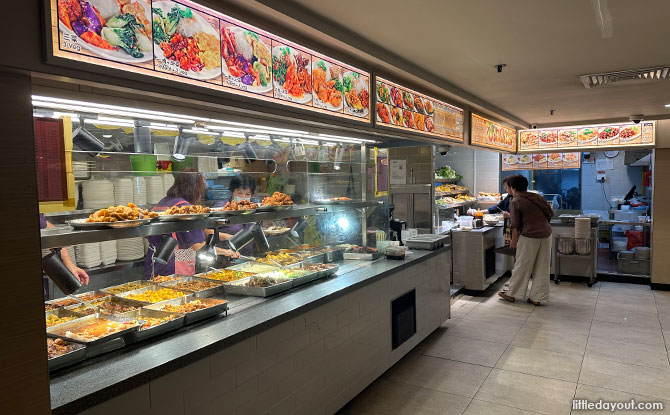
(631, 334)
(473, 351)
(595, 394)
(386, 397)
(528, 392)
(640, 306)
(544, 363)
(462, 312)
(624, 377)
(665, 321)
(477, 407)
(633, 353)
(519, 306)
(625, 317)
(479, 330)
(577, 297)
(619, 287)
(442, 375)
(565, 310)
(663, 306)
(566, 326)
(550, 340)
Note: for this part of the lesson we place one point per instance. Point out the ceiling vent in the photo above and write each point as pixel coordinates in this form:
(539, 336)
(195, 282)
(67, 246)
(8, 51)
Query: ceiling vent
(632, 76)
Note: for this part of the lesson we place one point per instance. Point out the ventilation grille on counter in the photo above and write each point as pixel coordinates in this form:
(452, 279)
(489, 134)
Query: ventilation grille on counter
(625, 77)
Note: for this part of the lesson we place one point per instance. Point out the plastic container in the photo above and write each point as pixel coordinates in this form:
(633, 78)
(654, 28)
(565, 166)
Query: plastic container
(465, 221)
(143, 164)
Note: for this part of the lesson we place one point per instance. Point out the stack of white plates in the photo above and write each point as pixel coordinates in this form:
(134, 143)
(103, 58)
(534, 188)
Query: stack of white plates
(108, 252)
(168, 181)
(88, 255)
(155, 190)
(97, 194)
(642, 252)
(130, 249)
(208, 165)
(139, 191)
(70, 250)
(582, 227)
(123, 191)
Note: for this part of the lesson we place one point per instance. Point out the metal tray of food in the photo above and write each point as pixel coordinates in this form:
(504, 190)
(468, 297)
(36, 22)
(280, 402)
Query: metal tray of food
(253, 267)
(209, 292)
(151, 288)
(82, 224)
(176, 218)
(92, 295)
(273, 208)
(64, 331)
(75, 355)
(332, 253)
(426, 241)
(362, 257)
(221, 212)
(60, 303)
(144, 333)
(304, 279)
(60, 313)
(111, 290)
(332, 269)
(97, 304)
(312, 257)
(239, 287)
(217, 307)
(208, 275)
(334, 201)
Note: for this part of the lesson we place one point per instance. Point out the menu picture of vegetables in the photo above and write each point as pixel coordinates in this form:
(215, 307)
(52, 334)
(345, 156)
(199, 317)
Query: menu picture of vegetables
(327, 85)
(490, 134)
(246, 59)
(291, 74)
(112, 30)
(589, 136)
(186, 42)
(401, 108)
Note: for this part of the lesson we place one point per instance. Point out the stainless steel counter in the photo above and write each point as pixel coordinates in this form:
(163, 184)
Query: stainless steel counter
(476, 265)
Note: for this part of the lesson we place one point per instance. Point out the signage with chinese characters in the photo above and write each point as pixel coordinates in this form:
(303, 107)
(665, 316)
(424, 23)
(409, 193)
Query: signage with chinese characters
(490, 134)
(185, 42)
(405, 109)
(588, 136)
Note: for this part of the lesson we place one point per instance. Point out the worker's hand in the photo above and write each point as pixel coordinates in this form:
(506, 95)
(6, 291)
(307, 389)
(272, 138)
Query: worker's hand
(81, 275)
(229, 253)
(506, 215)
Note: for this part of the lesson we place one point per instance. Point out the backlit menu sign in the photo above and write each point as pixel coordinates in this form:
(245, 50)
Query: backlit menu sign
(186, 42)
(588, 136)
(405, 109)
(541, 161)
(490, 134)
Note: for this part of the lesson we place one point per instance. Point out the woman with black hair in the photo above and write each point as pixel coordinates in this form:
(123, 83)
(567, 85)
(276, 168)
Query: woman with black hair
(188, 188)
(242, 187)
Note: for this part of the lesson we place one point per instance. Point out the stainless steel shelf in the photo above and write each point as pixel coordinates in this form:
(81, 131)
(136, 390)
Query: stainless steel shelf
(66, 236)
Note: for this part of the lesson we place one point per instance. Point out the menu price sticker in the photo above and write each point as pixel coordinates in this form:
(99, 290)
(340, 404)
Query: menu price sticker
(405, 109)
(589, 136)
(491, 134)
(196, 45)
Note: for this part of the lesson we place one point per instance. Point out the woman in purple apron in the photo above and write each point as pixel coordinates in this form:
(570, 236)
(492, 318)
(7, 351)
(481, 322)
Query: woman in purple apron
(242, 187)
(188, 188)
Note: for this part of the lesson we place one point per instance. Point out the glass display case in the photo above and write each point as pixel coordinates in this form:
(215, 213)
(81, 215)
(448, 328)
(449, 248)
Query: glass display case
(277, 209)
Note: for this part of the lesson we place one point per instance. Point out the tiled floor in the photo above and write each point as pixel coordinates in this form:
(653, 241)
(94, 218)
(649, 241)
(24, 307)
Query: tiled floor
(606, 342)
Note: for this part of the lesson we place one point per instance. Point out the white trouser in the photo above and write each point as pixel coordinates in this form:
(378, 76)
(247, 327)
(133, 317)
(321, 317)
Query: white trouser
(533, 256)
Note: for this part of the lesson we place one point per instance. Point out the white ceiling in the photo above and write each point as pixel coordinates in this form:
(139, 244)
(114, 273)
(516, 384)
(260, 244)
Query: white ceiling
(546, 45)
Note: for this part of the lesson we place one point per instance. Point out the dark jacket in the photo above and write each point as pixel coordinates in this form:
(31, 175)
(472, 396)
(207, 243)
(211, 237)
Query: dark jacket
(503, 206)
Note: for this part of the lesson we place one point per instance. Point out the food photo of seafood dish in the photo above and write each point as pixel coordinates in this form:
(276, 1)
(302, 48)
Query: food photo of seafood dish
(548, 138)
(292, 74)
(408, 119)
(571, 159)
(430, 126)
(356, 94)
(418, 105)
(567, 137)
(408, 100)
(187, 42)
(247, 60)
(555, 158)
(528, 139)
(120, 31)
(327, 84)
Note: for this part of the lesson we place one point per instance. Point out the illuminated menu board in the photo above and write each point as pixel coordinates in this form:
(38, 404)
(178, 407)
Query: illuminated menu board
(588, 136)
(189, 43)
(490, 134)
(541, 161)
(405, 109)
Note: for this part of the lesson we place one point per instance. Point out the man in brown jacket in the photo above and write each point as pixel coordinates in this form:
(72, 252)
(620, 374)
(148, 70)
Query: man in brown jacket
(531, 236)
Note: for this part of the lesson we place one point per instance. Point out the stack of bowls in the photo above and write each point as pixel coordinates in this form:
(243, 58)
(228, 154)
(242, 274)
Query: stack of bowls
(108, 252)
(130, 249)
(123, 191)
(626, 255)
(582, 228)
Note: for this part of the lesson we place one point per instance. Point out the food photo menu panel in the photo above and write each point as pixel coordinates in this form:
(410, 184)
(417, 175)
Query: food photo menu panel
(541, 161)
(589, 136)
(402, 108)
(491, 134)
(186, 42)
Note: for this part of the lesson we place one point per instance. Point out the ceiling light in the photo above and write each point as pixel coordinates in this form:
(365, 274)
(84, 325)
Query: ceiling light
(242, 124)
(233, 134)
(250, 130)
(667, 105)
(312, 142)
(106, 136)
(111, 122)
(347, 139)
(200, 131)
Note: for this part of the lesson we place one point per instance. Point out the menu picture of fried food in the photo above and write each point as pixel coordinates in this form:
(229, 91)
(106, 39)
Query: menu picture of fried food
(156, 296)
(53, 319)
(278, 199)
(227, 275)
(187, 210)
(58, 347)
(121, 213)
(241, 205)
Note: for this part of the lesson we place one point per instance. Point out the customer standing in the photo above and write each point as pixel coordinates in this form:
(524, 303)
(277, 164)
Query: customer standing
(531, 236)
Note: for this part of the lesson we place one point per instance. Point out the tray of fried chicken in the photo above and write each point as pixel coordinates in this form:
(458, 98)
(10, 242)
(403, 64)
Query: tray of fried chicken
(115, 217)
(278, 201)
(186, 212)
(233, 208)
